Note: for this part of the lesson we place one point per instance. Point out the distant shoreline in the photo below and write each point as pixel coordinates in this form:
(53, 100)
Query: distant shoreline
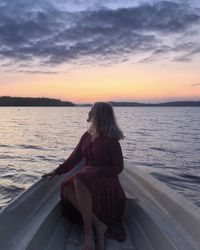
(7, 101)
(164, 104)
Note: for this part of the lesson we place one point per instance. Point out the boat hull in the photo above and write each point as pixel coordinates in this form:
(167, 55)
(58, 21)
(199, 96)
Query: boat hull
(155, 217)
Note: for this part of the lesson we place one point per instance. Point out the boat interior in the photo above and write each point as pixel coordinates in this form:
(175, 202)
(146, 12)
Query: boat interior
(155, 218)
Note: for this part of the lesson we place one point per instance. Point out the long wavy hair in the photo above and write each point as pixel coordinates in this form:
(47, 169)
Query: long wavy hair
(103, 121)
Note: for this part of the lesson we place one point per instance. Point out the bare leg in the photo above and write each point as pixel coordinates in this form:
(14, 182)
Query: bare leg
(70, 195)
(84, 201)
(99, 226)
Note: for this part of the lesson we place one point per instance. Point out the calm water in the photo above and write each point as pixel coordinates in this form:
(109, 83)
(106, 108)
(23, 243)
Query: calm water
(162, 141)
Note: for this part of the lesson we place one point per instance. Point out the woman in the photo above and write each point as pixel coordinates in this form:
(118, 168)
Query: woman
(95, 191)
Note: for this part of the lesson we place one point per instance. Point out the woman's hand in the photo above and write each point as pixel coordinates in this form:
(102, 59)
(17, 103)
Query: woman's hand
(49, 175)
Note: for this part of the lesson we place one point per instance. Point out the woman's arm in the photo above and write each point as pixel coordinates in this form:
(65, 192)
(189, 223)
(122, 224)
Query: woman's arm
(75, 157)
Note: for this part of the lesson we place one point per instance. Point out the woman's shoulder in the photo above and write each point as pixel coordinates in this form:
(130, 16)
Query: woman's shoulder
(112, 140)
(86, 133)
(114, 145)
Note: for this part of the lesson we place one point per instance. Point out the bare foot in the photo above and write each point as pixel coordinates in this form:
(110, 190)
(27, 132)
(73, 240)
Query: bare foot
(89, 242)
(101, 230)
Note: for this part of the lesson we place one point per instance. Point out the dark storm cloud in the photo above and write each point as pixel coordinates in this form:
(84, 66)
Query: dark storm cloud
(50, 34)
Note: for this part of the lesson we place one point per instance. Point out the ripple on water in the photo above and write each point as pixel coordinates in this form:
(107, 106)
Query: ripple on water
(191, 178)
(142, 133)
(5, 146)
(147, 164)
(11, 190)
(24, 146)
(167, 150)
(17, 158)
(19, 178)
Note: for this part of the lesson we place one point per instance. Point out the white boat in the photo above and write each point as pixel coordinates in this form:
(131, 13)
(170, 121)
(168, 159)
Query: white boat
(156, 217)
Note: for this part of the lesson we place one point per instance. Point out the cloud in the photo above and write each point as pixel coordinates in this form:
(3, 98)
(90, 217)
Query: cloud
(195, 85)
(38, 72)
(56, 32)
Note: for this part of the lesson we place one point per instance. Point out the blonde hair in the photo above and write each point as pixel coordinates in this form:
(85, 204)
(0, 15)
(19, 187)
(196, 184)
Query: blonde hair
(104, 122)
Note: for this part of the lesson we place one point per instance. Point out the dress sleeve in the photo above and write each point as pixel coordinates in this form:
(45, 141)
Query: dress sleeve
(75, 157)
(116, 158)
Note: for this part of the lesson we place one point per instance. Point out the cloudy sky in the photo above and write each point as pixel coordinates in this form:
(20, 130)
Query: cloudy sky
(89, 50)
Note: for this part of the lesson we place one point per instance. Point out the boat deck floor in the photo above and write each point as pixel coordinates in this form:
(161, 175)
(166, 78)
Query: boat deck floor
(146, 229)
(58, 233)
(67, 236)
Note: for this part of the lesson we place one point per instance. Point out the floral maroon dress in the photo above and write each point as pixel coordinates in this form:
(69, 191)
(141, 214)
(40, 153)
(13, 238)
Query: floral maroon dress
(103, 162)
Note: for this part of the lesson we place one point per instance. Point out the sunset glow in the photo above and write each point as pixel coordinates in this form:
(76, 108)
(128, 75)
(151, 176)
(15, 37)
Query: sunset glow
(159, 63)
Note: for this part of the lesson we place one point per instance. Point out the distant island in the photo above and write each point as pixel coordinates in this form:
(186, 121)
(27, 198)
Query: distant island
(164, 104)
(31, 101)
(49, 102)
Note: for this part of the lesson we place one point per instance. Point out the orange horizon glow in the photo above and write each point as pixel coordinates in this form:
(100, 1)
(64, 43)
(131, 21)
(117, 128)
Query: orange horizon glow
(122, 82)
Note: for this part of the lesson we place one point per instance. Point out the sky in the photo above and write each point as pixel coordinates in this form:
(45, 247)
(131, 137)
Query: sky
(88, 50)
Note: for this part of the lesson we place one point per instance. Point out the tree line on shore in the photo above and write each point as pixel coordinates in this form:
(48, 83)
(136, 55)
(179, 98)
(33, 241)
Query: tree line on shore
(31, 101)
(49, 102)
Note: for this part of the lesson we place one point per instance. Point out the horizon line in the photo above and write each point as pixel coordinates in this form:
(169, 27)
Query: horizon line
(114, 101)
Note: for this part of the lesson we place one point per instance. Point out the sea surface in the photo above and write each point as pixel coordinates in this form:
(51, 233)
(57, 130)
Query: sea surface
(164, 142)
